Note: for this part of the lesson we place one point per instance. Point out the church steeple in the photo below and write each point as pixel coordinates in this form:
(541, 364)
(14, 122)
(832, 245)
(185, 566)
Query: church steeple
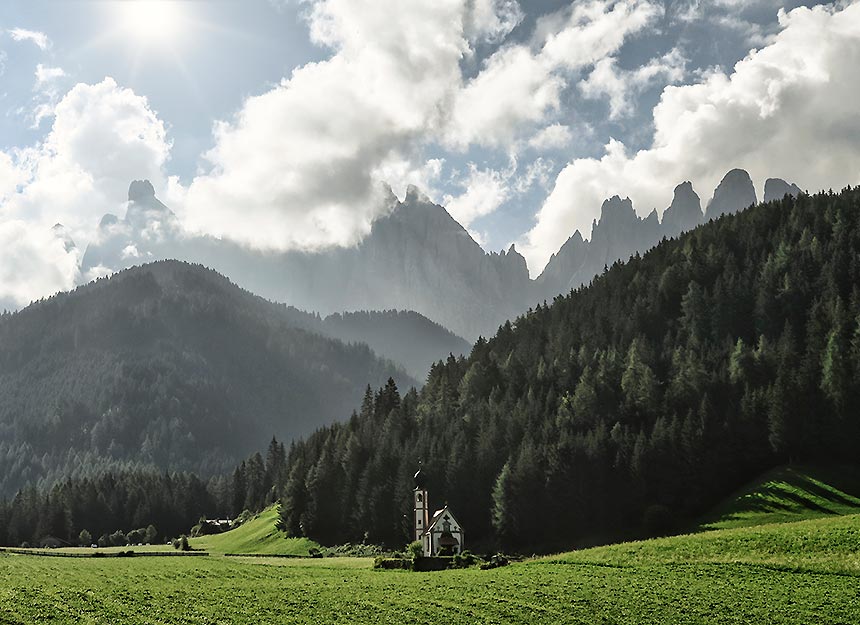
(422, 507)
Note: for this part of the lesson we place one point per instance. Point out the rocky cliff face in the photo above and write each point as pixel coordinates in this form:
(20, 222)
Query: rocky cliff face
(777, 188)
(734, 193)
(685, 212)
(417, 257)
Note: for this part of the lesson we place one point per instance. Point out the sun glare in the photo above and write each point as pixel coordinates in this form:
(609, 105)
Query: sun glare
(151, 22)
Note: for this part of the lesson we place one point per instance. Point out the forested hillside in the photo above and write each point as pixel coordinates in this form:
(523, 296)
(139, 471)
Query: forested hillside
(167, 365)
(406, 337)
(638, 400)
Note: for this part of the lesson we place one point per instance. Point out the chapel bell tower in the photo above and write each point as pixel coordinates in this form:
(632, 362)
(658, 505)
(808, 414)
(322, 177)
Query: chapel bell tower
(422, 511)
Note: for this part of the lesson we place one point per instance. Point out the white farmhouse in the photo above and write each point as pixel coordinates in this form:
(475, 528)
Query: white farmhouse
(441, 534)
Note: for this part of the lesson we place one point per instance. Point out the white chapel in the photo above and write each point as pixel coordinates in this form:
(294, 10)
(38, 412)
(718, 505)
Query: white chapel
(440, 534)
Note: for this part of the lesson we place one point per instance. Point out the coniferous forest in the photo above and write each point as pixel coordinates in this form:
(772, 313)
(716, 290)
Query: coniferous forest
(629, 405)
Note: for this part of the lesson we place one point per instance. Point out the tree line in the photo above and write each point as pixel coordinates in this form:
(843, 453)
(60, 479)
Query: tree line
(137, 505)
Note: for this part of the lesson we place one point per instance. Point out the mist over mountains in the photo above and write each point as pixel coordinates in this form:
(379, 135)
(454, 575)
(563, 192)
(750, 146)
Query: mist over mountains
(167, 365)
(416, 258)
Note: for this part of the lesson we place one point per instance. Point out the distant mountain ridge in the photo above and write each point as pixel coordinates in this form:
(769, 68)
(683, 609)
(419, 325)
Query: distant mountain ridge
(416, 257)
(166, 365)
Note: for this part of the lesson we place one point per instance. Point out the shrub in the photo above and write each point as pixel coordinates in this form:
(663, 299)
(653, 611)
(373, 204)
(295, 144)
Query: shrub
(150, 535)
(495, 562)
(415, 550)
(465, 559)
(85, 539)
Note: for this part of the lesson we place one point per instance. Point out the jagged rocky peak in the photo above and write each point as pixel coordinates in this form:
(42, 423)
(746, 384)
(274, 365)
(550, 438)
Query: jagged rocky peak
(108, 220)
(414, 195)
(63, 235)
(615, 210)
(777, 188)
(734, 193)
(685, 212)
(140, 191)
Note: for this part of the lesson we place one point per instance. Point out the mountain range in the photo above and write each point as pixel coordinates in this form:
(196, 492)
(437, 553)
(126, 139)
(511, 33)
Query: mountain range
(168, 365)
(416, 257)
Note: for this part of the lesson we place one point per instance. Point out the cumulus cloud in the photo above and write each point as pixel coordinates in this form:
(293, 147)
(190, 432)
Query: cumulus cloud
(299, 166)
(551, 137)
(34, 262)
(45, 74)
(102, 136)
(47, 90)
(520, 85)
(787, 110)
(620, 86)
(35, 37)
(492, 20)
(484, 190)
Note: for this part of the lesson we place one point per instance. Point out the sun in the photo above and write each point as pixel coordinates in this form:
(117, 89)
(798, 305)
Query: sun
(151, 22)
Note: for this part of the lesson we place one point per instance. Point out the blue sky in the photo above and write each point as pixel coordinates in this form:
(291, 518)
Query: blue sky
(272, 122)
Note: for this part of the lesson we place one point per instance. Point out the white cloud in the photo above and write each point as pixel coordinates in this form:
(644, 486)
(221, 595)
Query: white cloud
(3, 58)
(492, 20)
(621, 86)
(520, 85)
(552, 137)
(33, 263)
(46, 74)
(48, 93)
(102, 137)
(787, 110)
(484, 190)
(22, 34)
(298, 167)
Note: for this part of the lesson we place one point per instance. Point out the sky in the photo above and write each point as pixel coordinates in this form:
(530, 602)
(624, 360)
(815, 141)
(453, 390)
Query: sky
(275, 123)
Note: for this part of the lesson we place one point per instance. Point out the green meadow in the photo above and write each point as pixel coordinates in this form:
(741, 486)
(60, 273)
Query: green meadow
(786, 571)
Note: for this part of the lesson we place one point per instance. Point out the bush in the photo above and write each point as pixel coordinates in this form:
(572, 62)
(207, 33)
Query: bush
(183, 544)
(245, 516)
(315, 553)
(464, 560)
(104, 541)
(136, 537)
(415, 550)
(495, 562)
(118, 539)
(85, 539)
(150, 535)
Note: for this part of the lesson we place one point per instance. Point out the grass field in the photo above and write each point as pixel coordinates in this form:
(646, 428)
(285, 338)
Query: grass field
(800, 572)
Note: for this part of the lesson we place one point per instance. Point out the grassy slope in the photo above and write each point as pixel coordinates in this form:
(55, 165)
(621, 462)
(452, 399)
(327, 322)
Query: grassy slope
(257, 536)
(788, 494)
(805, 572)
(825, 545)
